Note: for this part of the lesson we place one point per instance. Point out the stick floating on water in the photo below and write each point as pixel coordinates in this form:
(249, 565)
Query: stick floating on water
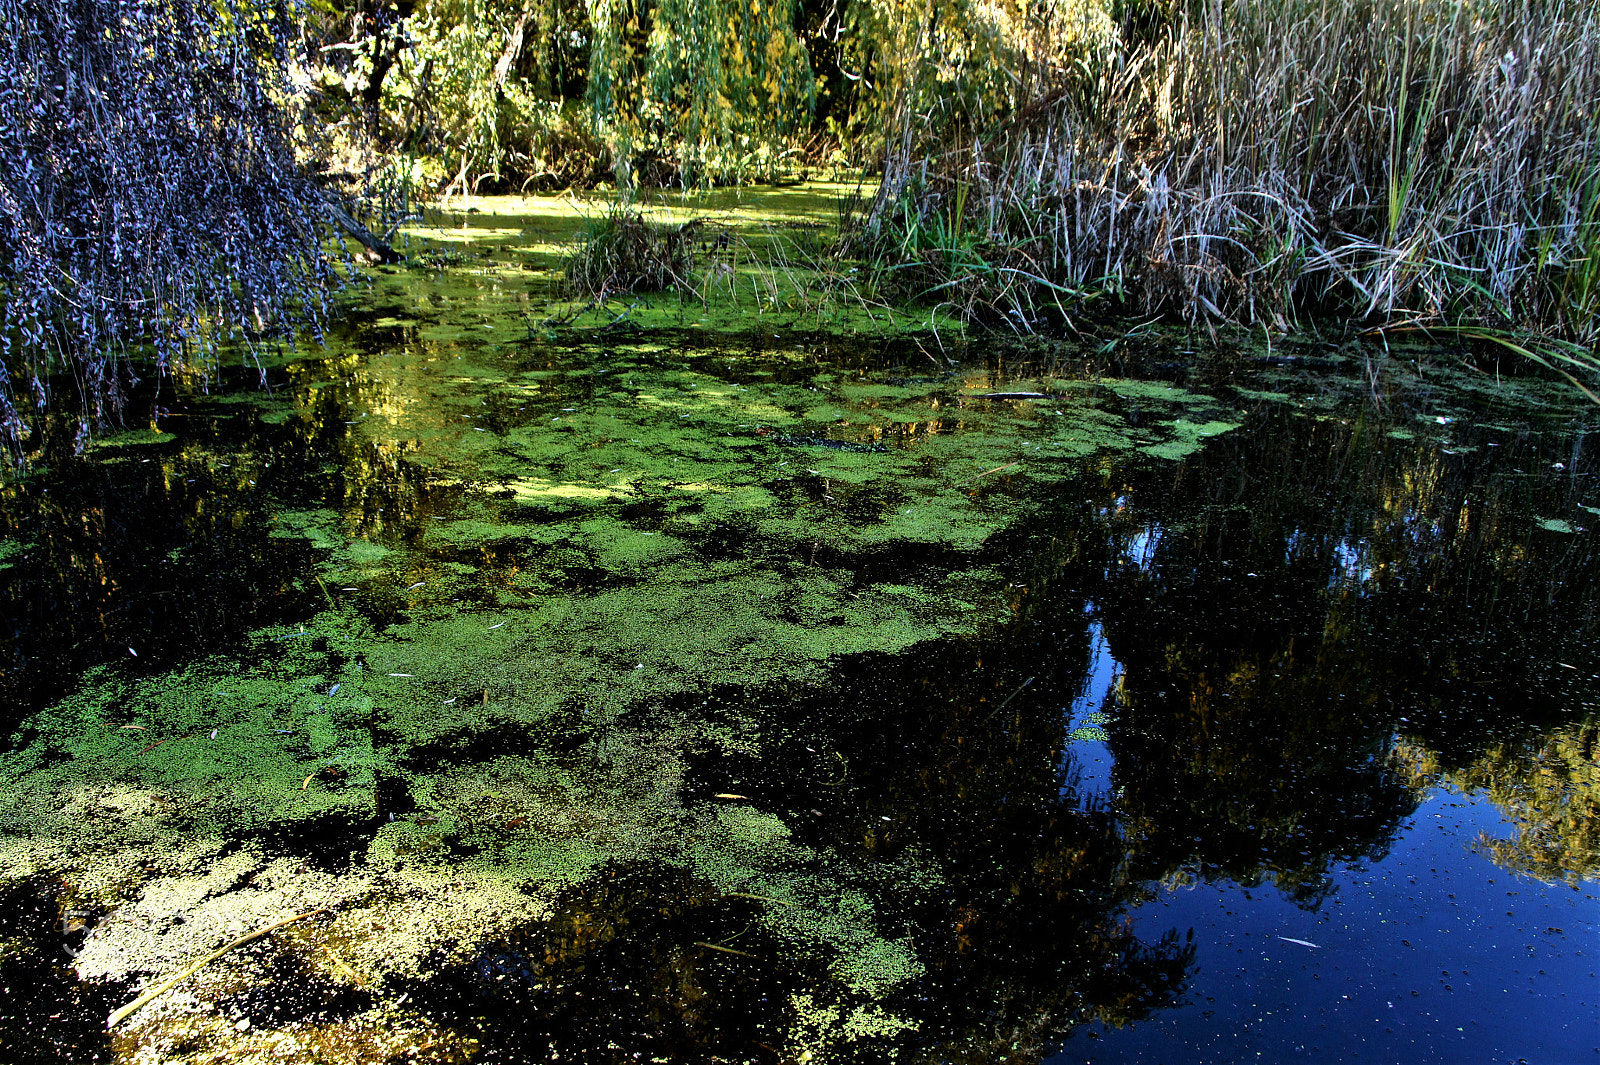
(158, 743)
(760, 898)
(986, 473)
(162, 988)
(725, 950)
(1007, 700)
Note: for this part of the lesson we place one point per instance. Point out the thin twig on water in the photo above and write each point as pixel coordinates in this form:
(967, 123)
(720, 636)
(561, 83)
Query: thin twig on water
(117, 1016)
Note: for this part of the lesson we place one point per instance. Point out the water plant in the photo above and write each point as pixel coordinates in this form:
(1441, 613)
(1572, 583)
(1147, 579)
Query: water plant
(621, 252)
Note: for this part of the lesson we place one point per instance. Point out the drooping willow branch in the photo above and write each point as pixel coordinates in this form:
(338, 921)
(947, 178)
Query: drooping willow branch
(151, 206)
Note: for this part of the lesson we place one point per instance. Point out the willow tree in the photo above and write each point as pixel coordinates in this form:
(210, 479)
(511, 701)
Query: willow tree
(151, 205)
(938, 72)
(712, 88)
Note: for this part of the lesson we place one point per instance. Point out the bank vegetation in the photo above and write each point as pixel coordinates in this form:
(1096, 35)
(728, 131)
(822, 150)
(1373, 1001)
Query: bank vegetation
(1361, 165)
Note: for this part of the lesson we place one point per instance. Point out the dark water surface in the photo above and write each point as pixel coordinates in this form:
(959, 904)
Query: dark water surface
(1428, 956)
(1250, 719)
(1375, 856)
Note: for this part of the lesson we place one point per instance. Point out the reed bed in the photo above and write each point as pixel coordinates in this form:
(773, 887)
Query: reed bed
(1389, 162)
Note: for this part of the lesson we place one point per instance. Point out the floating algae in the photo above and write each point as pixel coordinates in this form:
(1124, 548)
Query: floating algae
(562, 583)
(1187, 437)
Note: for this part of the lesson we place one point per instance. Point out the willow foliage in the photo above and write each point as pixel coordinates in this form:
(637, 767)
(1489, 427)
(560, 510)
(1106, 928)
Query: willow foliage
(934, 71)
(150, 200)
(454, 71)
(722, 85)
(706, 90)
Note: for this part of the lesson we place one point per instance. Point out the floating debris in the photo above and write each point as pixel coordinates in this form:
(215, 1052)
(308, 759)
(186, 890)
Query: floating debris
(725, 950)
(986, 473)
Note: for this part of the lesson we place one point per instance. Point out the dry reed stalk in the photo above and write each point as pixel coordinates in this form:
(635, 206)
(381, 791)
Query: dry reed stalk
(162, 988)
(1381, 160)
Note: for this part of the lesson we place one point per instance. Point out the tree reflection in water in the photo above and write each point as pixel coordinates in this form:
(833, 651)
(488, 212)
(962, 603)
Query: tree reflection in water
(1315, 619)
(1300, 598)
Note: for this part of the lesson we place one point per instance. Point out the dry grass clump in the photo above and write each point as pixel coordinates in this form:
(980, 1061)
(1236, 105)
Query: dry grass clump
(1391, 161)
(621, 252)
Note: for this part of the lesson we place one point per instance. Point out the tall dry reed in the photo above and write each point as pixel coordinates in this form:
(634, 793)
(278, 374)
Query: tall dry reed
(1388, 161)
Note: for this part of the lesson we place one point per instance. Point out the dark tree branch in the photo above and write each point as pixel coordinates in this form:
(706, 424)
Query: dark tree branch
(379, 249)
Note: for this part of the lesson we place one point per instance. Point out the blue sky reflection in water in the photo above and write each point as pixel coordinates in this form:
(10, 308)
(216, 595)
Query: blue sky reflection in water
(1426, 951)
(1432, 954)
(1085, 766)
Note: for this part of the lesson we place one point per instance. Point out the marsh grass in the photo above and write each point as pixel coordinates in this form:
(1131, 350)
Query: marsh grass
(1393, 162)
(622, 252)
(745, 271)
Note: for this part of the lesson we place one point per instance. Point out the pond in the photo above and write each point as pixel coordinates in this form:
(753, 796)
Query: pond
(686, 684)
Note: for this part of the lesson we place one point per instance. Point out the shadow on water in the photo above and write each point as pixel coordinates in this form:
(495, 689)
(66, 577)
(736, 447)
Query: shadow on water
(939, 760)
(156, 547)
(46, 1012)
